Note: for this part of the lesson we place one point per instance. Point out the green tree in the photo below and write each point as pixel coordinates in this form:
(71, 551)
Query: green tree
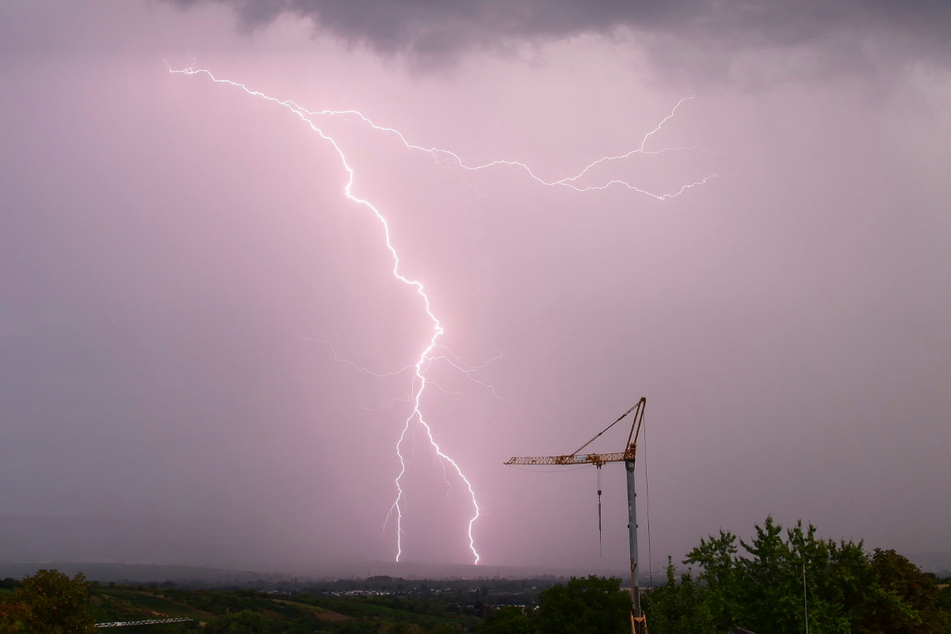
(765, 588)
(679, 609)
(902, 599)
(508, 620)
(243, 622)
(772, 588)
(49, 602)
(844, 581)
(592, 605)
(828, 573)
(717, 559)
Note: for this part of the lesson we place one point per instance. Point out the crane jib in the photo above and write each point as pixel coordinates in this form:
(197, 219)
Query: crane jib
(590, 458)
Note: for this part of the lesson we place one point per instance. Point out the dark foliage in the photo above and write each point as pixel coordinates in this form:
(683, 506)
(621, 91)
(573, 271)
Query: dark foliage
(592, 605)
(48, 602)
(767, 588)
(684, 609)
(508, 620)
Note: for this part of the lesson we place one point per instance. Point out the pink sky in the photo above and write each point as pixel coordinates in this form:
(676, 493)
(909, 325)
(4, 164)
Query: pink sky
(177, 258)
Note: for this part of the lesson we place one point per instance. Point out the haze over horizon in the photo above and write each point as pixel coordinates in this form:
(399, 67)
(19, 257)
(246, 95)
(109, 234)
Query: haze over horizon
(203, 346)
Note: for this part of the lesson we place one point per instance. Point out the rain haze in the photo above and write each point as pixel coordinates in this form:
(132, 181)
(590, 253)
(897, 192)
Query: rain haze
(206, 358)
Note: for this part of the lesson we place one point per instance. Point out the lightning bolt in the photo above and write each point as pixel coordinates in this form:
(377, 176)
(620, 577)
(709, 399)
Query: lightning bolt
(428, 356)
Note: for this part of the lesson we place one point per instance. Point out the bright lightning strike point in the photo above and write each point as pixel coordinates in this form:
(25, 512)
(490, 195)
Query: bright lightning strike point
(427, 357)
(419, 381)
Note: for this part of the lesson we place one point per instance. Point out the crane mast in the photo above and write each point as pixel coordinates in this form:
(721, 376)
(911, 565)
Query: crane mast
(627, 456)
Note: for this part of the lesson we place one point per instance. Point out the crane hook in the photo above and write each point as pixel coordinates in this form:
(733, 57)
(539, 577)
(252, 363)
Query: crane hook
(600, 544)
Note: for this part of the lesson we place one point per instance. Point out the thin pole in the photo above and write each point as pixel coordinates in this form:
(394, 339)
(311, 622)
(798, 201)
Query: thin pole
(805, 601)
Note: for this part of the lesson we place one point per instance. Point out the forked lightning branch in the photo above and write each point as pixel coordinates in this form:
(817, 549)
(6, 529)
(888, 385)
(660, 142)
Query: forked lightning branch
(427, 355)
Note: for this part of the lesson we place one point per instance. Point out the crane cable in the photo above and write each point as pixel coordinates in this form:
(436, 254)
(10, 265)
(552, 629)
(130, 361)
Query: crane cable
(598, 435)
(647, 491)
(600, 544)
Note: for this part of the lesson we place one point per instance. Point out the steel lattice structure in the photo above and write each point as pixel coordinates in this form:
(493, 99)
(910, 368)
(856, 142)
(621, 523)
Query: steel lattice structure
(148, 622)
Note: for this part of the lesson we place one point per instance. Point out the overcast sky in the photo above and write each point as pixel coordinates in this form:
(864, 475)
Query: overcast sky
(204, 349)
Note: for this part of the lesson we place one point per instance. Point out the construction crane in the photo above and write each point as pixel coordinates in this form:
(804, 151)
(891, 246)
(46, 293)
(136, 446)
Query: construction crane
(148, 622)
(638, 621)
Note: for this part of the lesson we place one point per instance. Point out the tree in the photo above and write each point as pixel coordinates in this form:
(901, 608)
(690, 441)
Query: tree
(765, 589)
(243, 622)
(716, 557)
(508, 620)
(902, 599)
(48, 602)
(592, 605)
(772, 587)
(679, 609)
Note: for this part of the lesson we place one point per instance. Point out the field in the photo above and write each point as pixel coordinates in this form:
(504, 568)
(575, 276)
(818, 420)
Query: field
(380, 605)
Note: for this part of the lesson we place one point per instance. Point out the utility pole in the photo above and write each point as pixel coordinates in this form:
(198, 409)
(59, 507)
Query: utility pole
(805, 600)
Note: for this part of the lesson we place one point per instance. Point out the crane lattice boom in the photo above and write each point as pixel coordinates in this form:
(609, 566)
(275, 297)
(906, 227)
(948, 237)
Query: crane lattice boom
(596, 459)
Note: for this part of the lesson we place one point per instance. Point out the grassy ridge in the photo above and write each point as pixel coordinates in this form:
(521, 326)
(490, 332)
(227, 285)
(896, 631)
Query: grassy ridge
(252, 611)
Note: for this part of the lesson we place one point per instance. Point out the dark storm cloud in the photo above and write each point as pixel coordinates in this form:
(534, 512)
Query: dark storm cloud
(426, 27)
